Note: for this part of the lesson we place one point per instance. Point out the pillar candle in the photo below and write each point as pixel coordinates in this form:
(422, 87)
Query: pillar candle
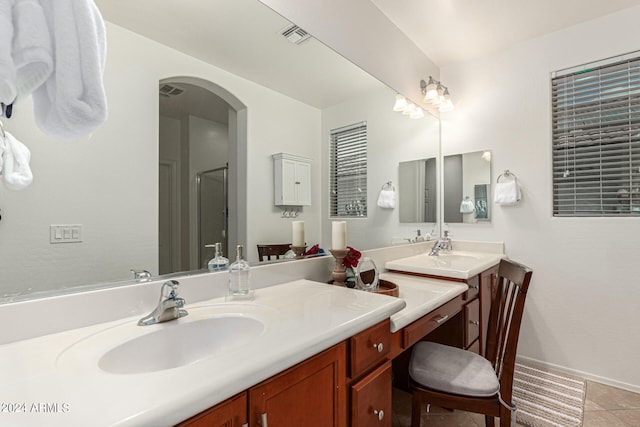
(339, 235)
(298, 233)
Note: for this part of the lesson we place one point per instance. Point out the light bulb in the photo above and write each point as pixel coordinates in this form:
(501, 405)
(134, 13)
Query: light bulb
(431, 92)
(401, 103)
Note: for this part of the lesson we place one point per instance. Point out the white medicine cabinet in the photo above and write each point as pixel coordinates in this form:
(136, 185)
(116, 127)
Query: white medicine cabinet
(292, 180)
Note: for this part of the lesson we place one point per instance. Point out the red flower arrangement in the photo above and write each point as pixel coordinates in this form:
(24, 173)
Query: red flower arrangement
(352, 258)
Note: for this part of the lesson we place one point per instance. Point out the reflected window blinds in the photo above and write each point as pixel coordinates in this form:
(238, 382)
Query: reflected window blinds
(348, 171)
(596, 141)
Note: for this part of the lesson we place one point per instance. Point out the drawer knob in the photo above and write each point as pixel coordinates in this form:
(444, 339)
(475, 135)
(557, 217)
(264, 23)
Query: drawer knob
(474, 322)
(379, 347)
(379, 413)
(474, 287)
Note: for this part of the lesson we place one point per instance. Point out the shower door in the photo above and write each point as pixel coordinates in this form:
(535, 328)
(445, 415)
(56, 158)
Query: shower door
(212, 212)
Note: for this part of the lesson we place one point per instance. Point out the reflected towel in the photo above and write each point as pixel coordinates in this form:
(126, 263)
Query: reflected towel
(31, 47)
(72, 102)
(387, 199)
(507, 193)
(16, 173)
(466, 206)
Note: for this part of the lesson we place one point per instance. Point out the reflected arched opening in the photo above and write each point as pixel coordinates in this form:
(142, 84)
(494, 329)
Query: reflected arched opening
(202, 172)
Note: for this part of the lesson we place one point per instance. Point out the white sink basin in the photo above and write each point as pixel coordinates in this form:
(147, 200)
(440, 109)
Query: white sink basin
(457, 265)
(179, 344)
(208, 331)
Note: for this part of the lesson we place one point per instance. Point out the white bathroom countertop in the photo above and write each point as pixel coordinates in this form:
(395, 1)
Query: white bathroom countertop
(422, 295)
(54, 380)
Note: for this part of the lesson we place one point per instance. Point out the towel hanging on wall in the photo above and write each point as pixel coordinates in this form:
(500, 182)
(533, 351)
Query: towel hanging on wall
(387, 197)
(507, 191)
(466, 206)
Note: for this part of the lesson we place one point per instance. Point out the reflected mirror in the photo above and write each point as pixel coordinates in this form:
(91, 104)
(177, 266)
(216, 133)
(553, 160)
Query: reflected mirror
(275, 93)
(467, 187)
(417, 192)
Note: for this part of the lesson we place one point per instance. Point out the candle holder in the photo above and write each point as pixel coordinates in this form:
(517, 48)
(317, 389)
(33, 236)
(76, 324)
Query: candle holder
(339, 274)
(298, 250)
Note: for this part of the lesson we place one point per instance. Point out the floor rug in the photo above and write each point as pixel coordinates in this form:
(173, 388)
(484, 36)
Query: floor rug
(547, 398)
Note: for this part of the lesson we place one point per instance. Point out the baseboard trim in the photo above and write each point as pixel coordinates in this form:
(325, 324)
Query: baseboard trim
(586, 375)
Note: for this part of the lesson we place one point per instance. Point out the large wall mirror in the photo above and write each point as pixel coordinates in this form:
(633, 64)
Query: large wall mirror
(467, 187)
(272, 95)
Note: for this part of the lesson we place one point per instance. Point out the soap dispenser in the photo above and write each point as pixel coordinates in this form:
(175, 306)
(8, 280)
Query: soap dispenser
(218, 262)
(239, 286)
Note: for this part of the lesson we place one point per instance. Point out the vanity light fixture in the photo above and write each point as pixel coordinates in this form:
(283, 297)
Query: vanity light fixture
(436, 94)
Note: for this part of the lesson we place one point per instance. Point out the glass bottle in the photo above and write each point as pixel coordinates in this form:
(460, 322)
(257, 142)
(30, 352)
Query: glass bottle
(239, 276)
(218, 262)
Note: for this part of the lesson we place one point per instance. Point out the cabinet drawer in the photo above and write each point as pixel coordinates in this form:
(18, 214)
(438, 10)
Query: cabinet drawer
(472, 322)
(369, 347)
(474, 288)
(371, 399)
(426, 324)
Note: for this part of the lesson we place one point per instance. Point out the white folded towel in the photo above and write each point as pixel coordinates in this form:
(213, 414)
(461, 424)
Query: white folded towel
(16, 173)
(507, 193)
(7, 69)
(31, 47)
(387, 199)
(72, 102)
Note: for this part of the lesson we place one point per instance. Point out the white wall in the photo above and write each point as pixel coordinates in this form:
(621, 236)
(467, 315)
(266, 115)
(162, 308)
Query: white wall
(581, 313)
(391, 138)
(107, 181)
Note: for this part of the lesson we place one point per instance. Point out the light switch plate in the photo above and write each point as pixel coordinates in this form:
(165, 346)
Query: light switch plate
(65, 233)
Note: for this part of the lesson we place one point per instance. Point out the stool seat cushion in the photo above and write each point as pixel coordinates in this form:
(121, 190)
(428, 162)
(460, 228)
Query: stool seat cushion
(452, 370)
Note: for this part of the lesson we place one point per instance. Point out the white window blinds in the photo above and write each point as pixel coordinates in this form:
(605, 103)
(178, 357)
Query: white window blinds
(348, 174)
(596, 141)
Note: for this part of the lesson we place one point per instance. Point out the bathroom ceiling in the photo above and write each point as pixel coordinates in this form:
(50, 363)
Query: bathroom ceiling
(451, 31)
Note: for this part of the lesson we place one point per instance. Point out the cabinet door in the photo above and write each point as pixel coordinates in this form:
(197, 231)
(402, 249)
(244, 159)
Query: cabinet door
(311, 394)
(289, 187)
(371, 399)
(230, 413)
(303, 183)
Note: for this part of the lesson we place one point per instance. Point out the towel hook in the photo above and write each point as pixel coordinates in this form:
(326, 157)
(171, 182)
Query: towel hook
(507, 174)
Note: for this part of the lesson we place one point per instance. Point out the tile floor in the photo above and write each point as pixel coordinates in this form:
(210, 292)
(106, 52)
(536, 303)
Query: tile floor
(605, 406)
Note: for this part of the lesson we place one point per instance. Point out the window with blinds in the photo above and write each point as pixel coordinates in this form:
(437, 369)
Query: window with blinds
(596, 141)
(348, 174)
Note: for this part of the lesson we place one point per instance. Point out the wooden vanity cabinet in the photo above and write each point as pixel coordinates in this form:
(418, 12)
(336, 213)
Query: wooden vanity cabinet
(370, 377)
(488, 283)
(230, 413)
(312, 393)
(348, 384)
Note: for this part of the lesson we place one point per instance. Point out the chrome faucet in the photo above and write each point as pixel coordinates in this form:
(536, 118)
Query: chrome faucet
(443, 244)
(141, 275)
(169, 307)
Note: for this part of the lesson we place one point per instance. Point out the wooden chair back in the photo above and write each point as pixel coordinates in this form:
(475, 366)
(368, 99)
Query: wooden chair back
(507, 307)
(275, 251)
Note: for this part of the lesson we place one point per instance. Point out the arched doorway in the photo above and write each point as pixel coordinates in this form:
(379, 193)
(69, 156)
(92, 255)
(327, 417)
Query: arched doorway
(202, 149)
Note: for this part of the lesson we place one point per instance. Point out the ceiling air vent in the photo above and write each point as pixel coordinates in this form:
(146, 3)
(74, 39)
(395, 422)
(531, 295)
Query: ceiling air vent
(168, 90)
(295, 34)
